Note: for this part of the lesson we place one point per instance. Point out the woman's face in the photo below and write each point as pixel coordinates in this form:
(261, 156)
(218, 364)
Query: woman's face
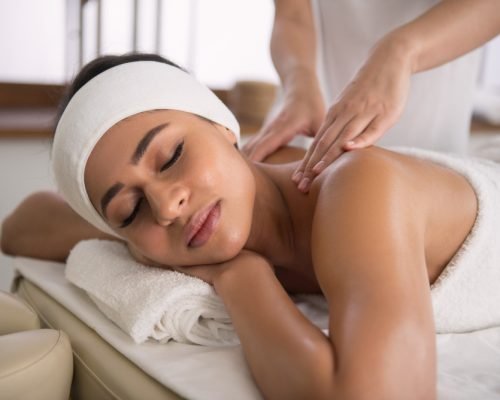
(174, 186)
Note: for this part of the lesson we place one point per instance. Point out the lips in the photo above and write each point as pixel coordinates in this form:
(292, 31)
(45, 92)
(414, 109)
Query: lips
(202, 225)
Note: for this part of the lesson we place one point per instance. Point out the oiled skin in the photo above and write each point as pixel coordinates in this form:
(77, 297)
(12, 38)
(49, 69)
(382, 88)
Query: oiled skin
(375, 230)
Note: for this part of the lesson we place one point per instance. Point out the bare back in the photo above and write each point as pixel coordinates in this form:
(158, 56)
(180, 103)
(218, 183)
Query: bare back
(443, 204)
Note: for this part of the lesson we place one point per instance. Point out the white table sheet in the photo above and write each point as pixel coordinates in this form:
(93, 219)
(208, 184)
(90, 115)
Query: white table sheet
(468, 364)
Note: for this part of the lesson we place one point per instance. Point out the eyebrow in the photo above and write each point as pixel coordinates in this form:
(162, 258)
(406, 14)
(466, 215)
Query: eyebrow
(143, 144)
(139, 152)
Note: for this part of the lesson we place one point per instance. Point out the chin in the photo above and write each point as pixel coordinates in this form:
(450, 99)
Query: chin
(230, 245)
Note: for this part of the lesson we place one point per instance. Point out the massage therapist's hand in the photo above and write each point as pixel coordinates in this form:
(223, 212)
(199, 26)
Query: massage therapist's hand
(370, 104)
(302, 112)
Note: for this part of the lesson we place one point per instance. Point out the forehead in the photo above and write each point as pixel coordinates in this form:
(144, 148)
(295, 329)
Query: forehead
(145, 118)
(126, 133)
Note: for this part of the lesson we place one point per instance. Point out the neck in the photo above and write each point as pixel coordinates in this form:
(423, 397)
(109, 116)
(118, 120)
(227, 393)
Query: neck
(271, 234)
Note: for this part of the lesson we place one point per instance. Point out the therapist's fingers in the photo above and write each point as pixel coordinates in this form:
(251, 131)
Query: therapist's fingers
(322, 142)
(374, 131)
(329, 145)
(349, 134)
(319, 140)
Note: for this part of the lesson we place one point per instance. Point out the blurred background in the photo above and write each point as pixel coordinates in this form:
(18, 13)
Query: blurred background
(224, 43)
(218, 40)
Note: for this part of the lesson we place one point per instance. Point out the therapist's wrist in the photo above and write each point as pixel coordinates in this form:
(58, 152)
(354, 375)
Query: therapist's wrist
(399, 48)
(388, 61)
(300, 79)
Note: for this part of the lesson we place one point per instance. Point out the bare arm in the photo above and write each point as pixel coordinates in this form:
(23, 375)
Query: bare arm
(293, 42)
(374, 100)
(283, 349)
(447, 31)
(293, 51)
(372, 270)
(371, 267)
(44, 226)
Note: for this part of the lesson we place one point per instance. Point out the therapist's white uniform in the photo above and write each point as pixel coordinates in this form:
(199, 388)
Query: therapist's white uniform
(439, 107)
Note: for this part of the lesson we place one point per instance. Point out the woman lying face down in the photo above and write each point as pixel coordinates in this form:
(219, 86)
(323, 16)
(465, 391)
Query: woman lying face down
(376, 228)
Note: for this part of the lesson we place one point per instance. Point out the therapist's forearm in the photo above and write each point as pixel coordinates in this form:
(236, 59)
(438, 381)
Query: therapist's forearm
(447, 31)
(293, 43)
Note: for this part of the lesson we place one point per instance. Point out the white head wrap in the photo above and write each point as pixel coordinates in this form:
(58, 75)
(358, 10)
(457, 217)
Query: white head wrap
(111, 96)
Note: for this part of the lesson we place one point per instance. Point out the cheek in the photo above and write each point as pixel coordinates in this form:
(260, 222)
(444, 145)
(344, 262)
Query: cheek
(237, 222)
(151, 242)
(231, 241)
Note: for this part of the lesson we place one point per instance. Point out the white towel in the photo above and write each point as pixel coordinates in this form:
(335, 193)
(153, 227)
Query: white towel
(149, 302)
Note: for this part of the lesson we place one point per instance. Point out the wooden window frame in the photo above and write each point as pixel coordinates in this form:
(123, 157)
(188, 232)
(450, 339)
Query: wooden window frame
(28, 110)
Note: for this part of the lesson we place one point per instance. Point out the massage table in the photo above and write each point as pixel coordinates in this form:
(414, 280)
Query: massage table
(109, 365)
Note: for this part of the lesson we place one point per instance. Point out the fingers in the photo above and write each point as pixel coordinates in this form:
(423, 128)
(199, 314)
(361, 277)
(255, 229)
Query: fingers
(370, 135)
(322, 142)
(359, 132)
(327, 146)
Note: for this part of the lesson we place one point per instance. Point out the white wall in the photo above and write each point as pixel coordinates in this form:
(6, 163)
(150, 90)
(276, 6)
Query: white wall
(32, 40)
(232, 41)
(220, 41)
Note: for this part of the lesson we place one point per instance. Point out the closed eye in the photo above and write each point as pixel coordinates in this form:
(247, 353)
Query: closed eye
(127, 221)
(175, 157)
(177, 153)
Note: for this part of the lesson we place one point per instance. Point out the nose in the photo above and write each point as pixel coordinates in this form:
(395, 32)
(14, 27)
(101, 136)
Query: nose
(167, 202)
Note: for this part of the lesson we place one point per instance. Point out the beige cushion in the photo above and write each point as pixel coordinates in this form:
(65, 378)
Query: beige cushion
(100, 372)
(35, 364)
(15, 316)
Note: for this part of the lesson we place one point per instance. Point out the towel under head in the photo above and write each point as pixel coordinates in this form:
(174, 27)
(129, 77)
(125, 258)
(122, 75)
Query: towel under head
(159, 304)
(149, 302)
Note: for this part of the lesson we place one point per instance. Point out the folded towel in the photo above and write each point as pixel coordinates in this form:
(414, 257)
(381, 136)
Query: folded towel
(149, 302)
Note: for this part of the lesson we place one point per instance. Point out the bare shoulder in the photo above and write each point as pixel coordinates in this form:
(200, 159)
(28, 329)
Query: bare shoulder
(368, 256)
(362, 173)
(375, 197)
(369, 211)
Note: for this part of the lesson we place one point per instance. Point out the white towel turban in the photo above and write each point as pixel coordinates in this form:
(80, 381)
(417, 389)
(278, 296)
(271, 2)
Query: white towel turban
(111, 96)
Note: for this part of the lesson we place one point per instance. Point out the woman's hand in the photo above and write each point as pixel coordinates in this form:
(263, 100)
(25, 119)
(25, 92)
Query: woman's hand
(366, 109)
(302, 112)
